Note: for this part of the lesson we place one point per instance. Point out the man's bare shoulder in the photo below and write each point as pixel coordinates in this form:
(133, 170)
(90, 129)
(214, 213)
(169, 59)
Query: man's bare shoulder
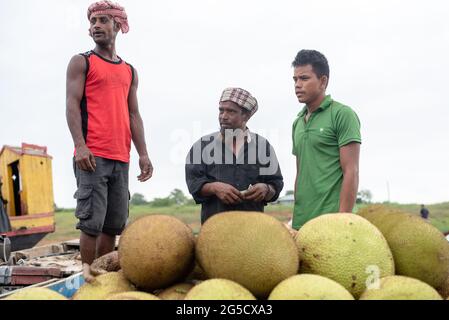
(77, 59)
(77, 64)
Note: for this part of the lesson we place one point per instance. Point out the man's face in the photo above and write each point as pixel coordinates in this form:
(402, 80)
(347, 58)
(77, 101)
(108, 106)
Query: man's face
(231, 116)
(103, 29)
(308, 87)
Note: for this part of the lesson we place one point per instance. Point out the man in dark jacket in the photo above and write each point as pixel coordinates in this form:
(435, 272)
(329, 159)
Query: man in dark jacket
(233, 169)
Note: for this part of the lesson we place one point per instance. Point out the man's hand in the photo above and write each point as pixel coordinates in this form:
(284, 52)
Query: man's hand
(227, 193)
(146, 169)
(257, 192)
(84, 159)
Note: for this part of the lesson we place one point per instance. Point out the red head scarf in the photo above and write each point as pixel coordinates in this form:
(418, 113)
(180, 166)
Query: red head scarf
(109, 8)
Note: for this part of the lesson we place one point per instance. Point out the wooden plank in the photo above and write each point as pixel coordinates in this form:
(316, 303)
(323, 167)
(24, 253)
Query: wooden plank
(32, 275)
(28, 222)
(35, 271)
(37, 184)
(39, 251)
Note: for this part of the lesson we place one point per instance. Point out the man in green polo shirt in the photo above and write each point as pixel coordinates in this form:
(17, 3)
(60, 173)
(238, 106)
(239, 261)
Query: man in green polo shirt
(326, 143)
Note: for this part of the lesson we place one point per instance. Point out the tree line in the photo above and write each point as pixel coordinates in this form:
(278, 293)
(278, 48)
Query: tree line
(176, 197)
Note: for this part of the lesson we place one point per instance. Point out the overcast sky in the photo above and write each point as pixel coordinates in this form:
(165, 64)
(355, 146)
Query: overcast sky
(388, 61)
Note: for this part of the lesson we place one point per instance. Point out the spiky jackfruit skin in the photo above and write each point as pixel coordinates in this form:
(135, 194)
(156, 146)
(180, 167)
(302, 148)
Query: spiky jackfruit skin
(250, 248)
(219, 289)
(309, 287)
(175, 292)
(156, 251)
(346, 248)
(104, 286)
(419, 249)
(401, 288)
(36, 294)
(133, 295)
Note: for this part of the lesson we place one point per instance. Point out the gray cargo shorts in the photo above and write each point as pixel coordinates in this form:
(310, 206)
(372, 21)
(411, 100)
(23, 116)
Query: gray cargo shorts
(102, 197)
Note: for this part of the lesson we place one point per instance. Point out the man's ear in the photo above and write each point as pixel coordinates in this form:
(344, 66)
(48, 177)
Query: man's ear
(117, 26)
(324, 82)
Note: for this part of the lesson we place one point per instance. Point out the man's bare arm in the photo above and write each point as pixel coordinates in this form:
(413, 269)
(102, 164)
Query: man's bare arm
(297, 176)
(138, 132)
(76, 71)
(349, 161)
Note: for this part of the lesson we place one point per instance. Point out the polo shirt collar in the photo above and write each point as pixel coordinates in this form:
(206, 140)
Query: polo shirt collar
(323, 106)
(325, 103)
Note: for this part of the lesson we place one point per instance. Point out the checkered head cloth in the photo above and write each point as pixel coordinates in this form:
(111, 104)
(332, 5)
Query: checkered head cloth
(110, 8)
(241, 97)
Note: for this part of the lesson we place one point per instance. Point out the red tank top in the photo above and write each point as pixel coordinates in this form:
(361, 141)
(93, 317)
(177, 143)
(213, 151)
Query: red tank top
(104, 107)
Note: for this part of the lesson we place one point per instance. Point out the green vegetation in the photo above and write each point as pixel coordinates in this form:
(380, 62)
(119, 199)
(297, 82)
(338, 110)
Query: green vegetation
(176, 197)
(438, 217)
(439, 213)
(190, 214)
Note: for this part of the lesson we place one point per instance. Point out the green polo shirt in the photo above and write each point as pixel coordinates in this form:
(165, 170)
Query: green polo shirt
(316, 144)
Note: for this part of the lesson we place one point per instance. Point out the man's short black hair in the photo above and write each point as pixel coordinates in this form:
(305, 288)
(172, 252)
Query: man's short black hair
(316, 59)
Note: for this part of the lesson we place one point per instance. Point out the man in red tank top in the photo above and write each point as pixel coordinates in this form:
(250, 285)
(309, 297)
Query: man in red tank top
(103, 118)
